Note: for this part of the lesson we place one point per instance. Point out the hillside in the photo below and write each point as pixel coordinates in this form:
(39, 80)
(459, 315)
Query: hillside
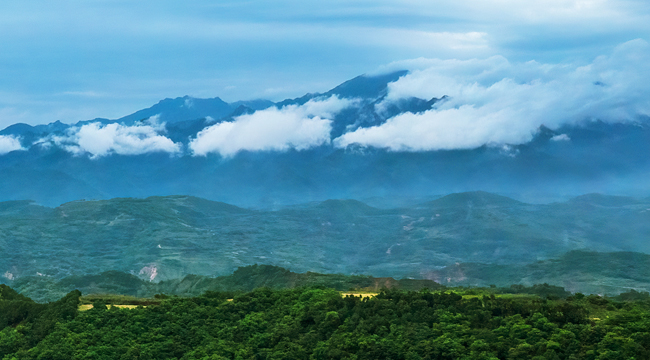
(163, 238)
(157, 153)
(577, 271)
(244, 279)
(320, 323)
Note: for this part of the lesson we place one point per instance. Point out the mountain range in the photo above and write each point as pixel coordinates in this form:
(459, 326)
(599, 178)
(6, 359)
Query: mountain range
(474, 238)
(155, 152)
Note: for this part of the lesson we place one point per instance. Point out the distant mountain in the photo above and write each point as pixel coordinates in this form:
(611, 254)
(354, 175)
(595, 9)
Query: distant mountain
(576, 271)
(349, 207)
(473, 198)
(604, 200)
(161, 238)
(189, 108)
(363, 87)
(243, 279)
(557, 164)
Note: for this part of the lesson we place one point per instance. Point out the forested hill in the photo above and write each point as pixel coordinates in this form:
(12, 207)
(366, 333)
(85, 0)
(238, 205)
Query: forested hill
(163, 238)
(243, 279)
(577, 271)
(308, 323)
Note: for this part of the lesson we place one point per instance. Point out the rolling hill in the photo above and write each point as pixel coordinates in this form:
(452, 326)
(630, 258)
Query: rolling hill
(162, 238)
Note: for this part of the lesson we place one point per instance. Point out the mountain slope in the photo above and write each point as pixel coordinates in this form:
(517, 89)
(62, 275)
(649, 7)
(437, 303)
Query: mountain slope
(189, 108)
(576, 271)
(556, 164)
(160, 238)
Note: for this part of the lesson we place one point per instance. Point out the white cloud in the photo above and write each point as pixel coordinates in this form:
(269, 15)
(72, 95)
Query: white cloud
(9, 143)
(100, 140)
(561, 137)
(272, 129)
(493, 101)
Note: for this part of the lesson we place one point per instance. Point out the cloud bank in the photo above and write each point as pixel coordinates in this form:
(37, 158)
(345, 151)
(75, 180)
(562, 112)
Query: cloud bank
(493, 101)
(298, 127)
(100, 140)
(8, 144)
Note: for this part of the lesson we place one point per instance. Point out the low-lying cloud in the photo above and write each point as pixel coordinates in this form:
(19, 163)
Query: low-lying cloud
(97, 139)
(9, 143)
(493, 101)
(294, 126)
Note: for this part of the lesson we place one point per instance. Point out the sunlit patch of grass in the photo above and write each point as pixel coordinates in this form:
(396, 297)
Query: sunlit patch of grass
(86, 307)
(361, 294)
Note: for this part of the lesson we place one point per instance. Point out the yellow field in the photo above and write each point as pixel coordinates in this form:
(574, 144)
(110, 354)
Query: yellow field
(84, 307)
(362, 294)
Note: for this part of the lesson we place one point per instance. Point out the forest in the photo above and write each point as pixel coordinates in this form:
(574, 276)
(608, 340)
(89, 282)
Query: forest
(322, 323)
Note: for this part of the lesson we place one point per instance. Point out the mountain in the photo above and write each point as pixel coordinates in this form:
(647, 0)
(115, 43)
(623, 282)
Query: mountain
(472, 198)
(243, 279)
(162, 238)
(363, 86)
(577, 271)
(141, 157)
(596, 199)
(189, 108)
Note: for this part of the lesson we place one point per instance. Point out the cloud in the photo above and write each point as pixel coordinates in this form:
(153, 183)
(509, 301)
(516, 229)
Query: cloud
(100, 140)
(272, 129)
(9, 143)
(276, 49)
(493, 101)
(561, 137)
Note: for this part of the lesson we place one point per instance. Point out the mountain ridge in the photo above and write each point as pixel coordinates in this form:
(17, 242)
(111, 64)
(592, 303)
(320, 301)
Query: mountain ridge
(52, 168)
(168, 237)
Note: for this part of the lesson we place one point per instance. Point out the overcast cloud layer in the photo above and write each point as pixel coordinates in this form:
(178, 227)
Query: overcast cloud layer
(76, 60)
(493, 101)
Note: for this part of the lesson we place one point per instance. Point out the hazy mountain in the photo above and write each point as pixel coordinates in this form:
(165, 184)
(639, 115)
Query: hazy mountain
(246, 278)
(189, 108)
(576, 271)
(160, 238)
(52, 168)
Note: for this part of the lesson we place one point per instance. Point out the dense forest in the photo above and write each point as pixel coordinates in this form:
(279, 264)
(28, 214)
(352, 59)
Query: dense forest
(321, 323)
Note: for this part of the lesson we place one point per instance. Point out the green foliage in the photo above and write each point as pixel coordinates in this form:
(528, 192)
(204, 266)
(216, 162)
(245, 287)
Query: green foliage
(24, 323)
(318, 323)
(243, 279)
(544, 291)
(633, 295)
(181, 235)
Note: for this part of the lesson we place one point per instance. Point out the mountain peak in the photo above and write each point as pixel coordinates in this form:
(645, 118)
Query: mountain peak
(366, 86)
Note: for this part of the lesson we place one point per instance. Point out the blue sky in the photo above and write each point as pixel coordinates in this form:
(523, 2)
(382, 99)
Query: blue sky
(81, 59)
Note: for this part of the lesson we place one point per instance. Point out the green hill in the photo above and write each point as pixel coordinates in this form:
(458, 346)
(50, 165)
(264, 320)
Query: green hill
(243, 279)
(473, 198)
(576, 271)
(604, 200)
(164, 238)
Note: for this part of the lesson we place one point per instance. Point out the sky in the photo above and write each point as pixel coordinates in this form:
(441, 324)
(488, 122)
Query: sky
(76, 60)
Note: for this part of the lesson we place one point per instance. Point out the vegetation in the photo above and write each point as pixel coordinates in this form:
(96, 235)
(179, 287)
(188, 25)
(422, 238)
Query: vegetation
(319, 323)
(167, 238)
(244, 279)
